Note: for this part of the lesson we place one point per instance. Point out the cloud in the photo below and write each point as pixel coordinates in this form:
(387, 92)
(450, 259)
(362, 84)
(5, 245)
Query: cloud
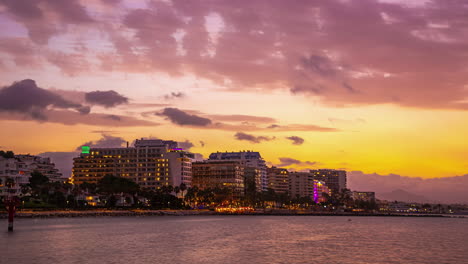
(415, 54)
(296, 140)
(45, 18)
(445, 190)
(242, 118)
(180, 117)
(105, 98)
(174, 95)
(202, 143)
(73, 118)
(252, 138)
(301, 127)
(106, 141)
(26, 98)
(186, 145)
(287, 162)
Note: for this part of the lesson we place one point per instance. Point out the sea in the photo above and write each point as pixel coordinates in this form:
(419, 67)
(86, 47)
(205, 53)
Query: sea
(235, 239)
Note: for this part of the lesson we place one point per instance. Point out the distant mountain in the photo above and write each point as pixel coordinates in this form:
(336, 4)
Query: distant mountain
(397, 187)
(403, 196)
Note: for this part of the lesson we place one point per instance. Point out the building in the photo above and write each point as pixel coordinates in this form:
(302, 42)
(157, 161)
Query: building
(278, 179)
(301, 184)
(252, 181)
(321, 191)
(14, 172)
(363, 196)
(42, 165)
(334, 179)
(219, 174)
(150, 163)
(18, 169)
(246, 159)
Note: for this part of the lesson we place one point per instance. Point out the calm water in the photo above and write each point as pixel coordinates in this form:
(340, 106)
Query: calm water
(236, 239)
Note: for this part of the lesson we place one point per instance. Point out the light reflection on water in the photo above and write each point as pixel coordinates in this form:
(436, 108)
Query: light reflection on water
(236, 239)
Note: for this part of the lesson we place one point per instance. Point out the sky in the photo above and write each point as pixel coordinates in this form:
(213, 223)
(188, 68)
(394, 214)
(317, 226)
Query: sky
(377, 87)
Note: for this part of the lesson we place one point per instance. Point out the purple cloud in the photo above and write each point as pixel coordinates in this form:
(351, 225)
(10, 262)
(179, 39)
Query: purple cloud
(252, 138)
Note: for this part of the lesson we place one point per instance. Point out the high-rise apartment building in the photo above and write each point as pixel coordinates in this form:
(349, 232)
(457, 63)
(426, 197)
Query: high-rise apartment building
(150, 163)
(301, 184)
(278, 179)
(335, 179)
(246, 159)
(219, 174)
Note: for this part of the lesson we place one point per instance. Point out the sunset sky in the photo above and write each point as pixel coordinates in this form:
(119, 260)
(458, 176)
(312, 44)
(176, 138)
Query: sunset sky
(363, 85)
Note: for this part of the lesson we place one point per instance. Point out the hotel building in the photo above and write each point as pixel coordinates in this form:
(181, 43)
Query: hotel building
(301, 184)
(219, 174)
(246, 159)
(278, 179)
(151, 163)
(335, 179)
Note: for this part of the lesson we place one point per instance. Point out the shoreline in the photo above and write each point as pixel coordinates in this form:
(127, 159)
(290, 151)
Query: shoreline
(136, 212)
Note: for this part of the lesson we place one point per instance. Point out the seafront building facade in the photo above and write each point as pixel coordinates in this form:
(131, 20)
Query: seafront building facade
(321, 191)
(150, 163)
(301, 184)
(278, 179)
(219, 174)
(42, 165)
(17, 171)
(246, 159)
(334, 179)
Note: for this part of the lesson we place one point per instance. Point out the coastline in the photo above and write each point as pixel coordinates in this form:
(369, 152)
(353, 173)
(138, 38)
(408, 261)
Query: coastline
(136, 212)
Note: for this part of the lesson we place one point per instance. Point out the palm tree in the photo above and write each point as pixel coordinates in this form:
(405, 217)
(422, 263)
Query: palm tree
(183, 187)
(176, 190)
(170, 188)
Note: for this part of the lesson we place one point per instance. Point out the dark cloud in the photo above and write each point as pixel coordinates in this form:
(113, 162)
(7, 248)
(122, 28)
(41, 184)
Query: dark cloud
(25, 97)
(252, 138)
(414, 53)
(296, 140)
(319, 64)
(186, 145)
(202, 143)
(114, 117)
(286, 162)
(45, 18)
(105, 98)
(72, 118)
(174, 95)
(180, 117)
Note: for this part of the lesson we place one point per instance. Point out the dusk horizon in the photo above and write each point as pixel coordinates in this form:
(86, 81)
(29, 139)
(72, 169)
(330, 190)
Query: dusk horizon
(350, 113)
